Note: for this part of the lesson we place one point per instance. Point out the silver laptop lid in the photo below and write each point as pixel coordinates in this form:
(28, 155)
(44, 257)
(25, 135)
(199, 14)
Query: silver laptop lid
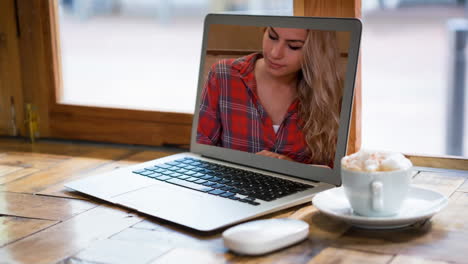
(226, 96)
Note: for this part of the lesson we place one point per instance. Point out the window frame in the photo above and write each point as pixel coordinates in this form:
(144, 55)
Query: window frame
(67, 121)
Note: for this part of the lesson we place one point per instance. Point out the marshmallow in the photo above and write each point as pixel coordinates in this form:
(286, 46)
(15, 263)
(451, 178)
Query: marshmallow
(370, 161)
(371, 165)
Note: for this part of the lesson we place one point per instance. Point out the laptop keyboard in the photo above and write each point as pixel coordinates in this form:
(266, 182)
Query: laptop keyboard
(231, 183)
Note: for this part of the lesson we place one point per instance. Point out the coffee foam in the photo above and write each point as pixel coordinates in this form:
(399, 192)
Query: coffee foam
(370, 161)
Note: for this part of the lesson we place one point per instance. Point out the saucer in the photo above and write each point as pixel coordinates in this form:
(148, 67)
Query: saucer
(420, 205)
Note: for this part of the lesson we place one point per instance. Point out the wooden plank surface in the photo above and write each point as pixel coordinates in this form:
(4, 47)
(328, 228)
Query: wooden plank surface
(430, 240)
(185, 255)
(402, 259)
(41, 207)
(440, 239)
(67, 169)
(454, 217)
(6, 178)
(5, 170)
(443, 183)
(69, 237)
(464, 187)
(336, 255)
(65, 230)
(422, 242)
(118, 252)
(170, 238)
(31, 160)
(324, 228)
(13, 228)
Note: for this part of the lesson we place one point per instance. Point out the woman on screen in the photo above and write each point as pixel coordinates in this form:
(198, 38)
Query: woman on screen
(282, 103)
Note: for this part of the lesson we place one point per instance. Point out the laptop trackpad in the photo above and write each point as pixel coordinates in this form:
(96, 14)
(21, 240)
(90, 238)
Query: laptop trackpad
(183, 206)
(110, 184)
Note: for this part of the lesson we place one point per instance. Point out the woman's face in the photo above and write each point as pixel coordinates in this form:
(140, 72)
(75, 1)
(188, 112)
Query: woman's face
(282, 50)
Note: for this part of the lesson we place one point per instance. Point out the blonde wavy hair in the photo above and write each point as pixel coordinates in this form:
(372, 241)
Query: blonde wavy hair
(319, 90)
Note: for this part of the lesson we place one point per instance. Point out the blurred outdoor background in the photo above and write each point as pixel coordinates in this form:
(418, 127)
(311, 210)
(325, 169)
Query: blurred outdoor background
(145, 54)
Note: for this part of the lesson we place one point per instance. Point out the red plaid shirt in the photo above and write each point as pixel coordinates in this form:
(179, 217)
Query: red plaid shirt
(232, 116)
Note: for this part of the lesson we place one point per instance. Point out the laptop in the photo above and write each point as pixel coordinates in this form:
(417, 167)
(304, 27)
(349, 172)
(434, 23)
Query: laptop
(244, 161)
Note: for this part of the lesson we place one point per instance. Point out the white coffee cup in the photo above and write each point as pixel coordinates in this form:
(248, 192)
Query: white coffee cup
(376, 193)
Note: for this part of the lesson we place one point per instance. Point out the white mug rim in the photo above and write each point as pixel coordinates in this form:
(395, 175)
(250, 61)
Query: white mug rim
(376, 172)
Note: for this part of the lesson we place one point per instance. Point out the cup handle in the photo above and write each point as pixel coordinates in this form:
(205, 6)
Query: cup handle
(377, 195)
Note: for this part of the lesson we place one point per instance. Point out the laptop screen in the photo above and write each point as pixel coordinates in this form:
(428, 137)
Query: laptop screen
(276, 90)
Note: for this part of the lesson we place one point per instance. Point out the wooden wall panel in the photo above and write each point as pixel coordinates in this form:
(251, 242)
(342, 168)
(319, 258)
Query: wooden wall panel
(446, 162)
(11, 101)
(229, 37)
(119, 131)
(339, 8)
(249, 38)
(327, 8)
(33, 18)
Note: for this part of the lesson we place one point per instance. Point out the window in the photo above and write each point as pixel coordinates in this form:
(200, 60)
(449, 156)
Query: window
(137, 54)
(406, 54)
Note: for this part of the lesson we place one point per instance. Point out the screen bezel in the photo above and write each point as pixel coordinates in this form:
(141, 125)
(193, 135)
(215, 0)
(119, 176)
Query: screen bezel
(295, 169)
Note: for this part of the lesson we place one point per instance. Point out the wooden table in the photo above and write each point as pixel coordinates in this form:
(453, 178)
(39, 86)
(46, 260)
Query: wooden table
(42, 222)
